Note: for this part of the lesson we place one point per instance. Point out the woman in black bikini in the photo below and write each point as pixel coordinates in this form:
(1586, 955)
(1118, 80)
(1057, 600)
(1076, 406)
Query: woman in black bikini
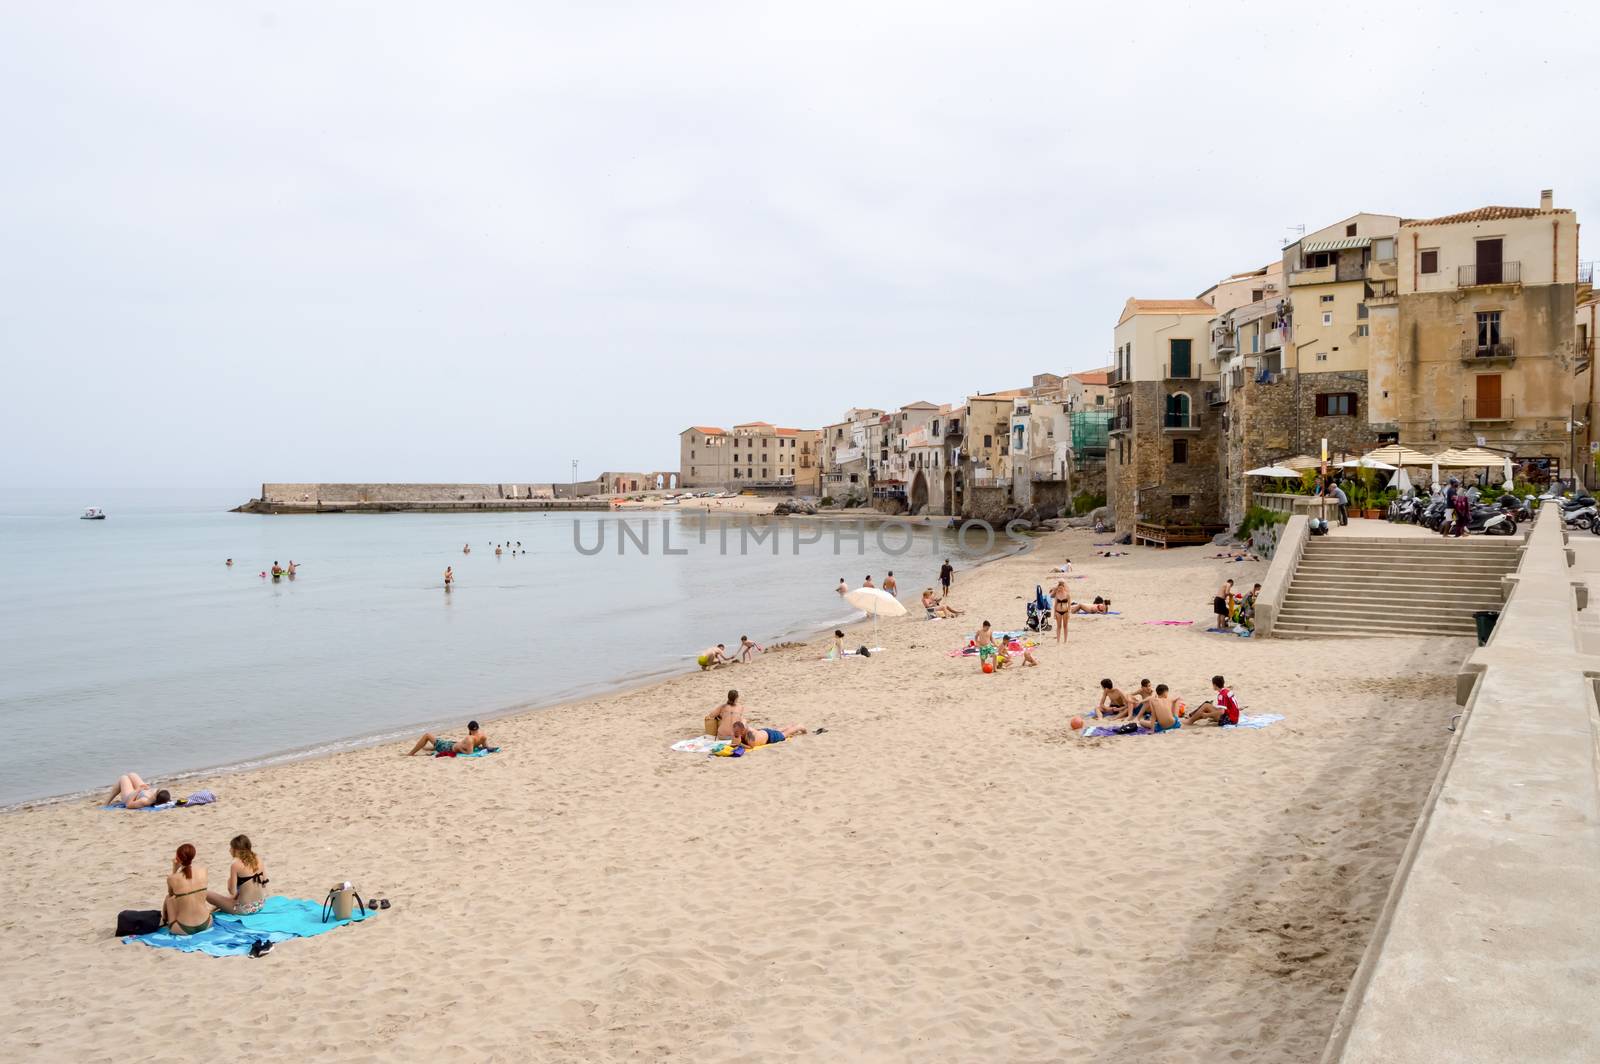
(1063, 607)
(185, 912)
(247, 881)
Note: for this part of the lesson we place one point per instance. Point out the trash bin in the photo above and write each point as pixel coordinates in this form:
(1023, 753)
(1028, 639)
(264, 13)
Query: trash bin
(1484, 620)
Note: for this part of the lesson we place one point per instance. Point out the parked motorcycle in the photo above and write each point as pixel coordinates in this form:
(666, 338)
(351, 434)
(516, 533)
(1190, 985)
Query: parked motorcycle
(1579, 516)
(1490, 521)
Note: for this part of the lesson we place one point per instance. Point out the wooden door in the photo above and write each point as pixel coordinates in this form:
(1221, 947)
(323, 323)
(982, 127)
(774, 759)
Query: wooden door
(1489, 261)
(1488, 395)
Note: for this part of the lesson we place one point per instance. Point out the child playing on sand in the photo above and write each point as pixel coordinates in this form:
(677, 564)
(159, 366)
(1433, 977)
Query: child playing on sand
(748, 650)
(1224, 711)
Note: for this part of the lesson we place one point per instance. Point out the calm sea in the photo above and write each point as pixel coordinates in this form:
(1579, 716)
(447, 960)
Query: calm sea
(127, 644)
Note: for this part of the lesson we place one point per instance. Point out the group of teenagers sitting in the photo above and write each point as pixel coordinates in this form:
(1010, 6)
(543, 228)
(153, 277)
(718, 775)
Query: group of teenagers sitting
(727, 722)
(1159, 709)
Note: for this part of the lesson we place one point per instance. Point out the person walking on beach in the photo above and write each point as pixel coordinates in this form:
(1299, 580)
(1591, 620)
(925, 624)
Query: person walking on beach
(889, 584)
(449, 577)
(946, 574)
(1062, 598)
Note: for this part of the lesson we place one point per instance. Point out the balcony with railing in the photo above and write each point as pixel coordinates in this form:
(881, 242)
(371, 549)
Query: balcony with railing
(1116, 377)
(1482, 409)
(1586, 273)
(1182, 373)
(1315, 275)
(1224, 341)
(1120, 422)
(1488, 273)
(1216, 397)
(1181, 420)
(1473, 350)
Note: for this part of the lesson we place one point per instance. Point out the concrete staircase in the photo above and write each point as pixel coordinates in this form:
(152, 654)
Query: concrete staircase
(1347, 585)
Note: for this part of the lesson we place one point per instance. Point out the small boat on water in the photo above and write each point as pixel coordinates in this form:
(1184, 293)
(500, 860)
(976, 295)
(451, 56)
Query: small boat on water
(93, 513)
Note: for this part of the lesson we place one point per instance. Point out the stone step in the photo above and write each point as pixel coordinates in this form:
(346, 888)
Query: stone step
(1384, 610)
(1402, 579)
(1398, 571)
(1285, 630)
(1359, 621)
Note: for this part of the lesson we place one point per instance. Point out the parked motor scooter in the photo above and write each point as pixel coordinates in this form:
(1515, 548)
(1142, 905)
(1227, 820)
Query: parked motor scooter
(1491, 521)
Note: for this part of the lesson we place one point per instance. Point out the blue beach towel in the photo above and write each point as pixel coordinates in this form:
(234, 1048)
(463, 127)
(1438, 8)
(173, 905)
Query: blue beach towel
(197, 798)
(482, 751)
(279, 920)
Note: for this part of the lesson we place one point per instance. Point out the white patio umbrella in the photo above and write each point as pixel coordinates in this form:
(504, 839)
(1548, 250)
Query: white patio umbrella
(1510, 473)
(1400, 480)
(1366, 463)
(1273, 471)
(876, 602)
(1435, 473)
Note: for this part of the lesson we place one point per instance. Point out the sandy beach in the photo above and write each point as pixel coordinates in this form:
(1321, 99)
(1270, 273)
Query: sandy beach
(946, 874)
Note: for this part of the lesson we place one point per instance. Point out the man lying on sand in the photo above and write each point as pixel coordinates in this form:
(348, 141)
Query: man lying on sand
(722, 720)
(1224, 711)
(748, 737)
(475, 740)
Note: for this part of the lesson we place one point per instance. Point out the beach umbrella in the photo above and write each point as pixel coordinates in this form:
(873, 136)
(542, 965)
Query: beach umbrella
(1272, 471)
(1510, 473)
(876, 602)
(1397, 455)
(1366, 462)
(1436, 474)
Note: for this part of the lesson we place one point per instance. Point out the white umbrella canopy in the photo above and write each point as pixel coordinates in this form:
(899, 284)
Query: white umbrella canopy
(1400, 480)
(1301, 462)
(875, 602)
(878, 603)
(1273, 471)
(1435, 481)
(1510, 473)
(1399, 455)
(1469, 458)
(1366, 462)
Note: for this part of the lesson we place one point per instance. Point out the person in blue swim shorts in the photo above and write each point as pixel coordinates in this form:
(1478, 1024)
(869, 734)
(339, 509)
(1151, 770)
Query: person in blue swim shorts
(1157, 709)
(748, 736)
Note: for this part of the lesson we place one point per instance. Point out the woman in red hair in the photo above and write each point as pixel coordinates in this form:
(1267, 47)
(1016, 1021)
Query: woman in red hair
(185, 910)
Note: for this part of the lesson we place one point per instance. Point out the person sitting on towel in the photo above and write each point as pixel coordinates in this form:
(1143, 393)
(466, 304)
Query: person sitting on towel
(721, 721)
(1143, 694)
(1224, 711)
(475, 740)
(1158, 710)
(1101, 605)
(936, 608)
(247, 881)
(1111, 697)
(184, 910)
(748, 737)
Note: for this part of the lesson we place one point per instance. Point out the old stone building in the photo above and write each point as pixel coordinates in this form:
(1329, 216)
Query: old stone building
(753, 455)
(1163, 462)
(1479, 340)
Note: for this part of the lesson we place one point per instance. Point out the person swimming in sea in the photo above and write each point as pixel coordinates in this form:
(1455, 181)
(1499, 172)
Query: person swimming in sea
(277, 570)
(229, 563)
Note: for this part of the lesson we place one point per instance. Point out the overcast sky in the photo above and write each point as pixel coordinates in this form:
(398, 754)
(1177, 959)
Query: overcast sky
(477, 241)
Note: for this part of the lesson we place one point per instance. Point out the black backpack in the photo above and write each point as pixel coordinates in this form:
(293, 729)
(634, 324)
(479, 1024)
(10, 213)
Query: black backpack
(138, 922)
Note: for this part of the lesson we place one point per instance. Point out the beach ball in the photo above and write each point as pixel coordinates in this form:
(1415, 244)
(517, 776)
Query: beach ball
(1077, 723)
(988, 666)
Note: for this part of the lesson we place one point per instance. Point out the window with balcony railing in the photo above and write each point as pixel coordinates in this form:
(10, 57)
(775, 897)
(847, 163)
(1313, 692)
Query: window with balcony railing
(1489, 273)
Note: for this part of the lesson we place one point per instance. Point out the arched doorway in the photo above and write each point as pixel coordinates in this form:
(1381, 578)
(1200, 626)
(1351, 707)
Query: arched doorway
(661, 481)
(919, 492)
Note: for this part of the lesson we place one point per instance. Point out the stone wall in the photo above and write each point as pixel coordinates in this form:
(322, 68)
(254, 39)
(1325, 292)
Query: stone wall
(988, 504)
(1147, 483)
(341, 494)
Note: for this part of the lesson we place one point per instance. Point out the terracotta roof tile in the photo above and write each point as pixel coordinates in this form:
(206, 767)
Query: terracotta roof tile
(754, 425)
(1165, 306)
(1093, 376)
(1486, 214)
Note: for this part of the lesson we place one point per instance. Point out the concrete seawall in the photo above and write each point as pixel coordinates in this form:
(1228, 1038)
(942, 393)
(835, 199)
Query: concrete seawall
(1488, 949)
(287, 498)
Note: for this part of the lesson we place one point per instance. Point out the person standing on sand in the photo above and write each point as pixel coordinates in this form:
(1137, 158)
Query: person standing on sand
(1063, 608)
(946, 574)
(748, 650)
(1219, 603)
(889, 584)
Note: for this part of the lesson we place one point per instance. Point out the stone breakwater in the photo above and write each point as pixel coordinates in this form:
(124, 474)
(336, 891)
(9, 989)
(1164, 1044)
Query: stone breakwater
(420, 498)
